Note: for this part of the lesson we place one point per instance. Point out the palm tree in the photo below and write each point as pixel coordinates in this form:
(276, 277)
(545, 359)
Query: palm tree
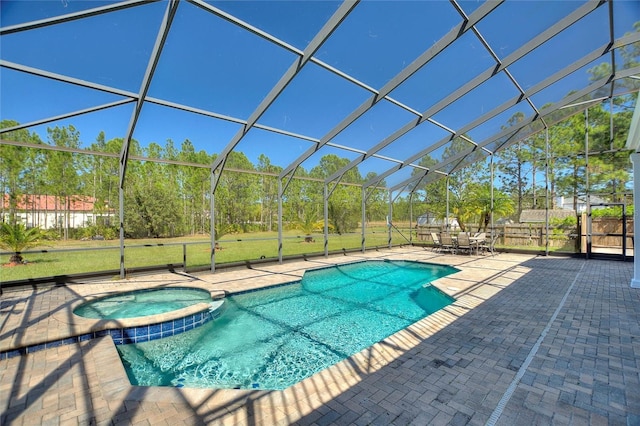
(309, 223)
(503, 205)
(221, 229)
(16, 238)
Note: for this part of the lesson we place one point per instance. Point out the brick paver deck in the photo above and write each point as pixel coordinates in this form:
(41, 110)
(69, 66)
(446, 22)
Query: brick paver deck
(529, 340)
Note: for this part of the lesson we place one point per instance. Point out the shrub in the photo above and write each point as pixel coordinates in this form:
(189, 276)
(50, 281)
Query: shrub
(612, 212)
(17, 238)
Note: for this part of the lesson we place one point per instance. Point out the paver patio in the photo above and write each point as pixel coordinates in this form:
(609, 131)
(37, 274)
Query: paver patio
(529, 340)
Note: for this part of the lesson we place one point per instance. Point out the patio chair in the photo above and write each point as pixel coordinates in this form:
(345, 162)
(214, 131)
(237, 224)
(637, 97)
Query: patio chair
(464, 242)
(489, 246)
(436, 241)
(446, 243)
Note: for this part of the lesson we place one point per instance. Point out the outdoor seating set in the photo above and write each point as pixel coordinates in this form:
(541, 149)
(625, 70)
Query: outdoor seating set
(464, 242)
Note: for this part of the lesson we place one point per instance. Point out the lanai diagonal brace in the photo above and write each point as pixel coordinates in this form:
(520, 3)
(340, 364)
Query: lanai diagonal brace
(289, 178)
(170, 13)
(325, 32)
(390, 224)
(333, 187)
(367, 192)
(417, 185)
(454, 34)
(216, 172)
(163, 32)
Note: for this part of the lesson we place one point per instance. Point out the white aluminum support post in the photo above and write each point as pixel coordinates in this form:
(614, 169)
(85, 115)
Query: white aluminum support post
(586, 181)
(446, 220)
(280, 221)
(364, 217)
(326, 220)
(633, 142)
(491, 205)
(212, 216)
(389, 218)
(546, 188)
(635, 160)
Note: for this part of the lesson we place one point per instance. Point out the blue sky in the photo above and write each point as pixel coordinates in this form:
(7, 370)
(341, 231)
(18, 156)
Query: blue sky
(210, 63)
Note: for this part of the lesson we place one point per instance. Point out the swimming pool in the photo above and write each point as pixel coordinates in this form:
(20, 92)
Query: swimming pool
(276, 337)
(140, 303)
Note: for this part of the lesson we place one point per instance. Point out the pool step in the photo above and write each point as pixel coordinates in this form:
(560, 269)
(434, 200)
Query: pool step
(216, 308)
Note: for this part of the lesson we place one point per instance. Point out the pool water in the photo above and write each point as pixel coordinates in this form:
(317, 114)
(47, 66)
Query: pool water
(274, 338)
(142, 303)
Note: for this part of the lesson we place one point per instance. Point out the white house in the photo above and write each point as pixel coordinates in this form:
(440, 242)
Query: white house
(48, 211)
(566, 203)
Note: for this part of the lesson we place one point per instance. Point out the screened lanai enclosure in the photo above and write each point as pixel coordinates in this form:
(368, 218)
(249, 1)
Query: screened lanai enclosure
(196, 134)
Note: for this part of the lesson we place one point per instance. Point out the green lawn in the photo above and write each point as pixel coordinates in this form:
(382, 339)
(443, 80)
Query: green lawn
(61, 257)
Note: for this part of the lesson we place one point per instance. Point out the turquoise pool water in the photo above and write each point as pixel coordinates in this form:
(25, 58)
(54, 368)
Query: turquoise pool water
(142, 303)
(274, 338)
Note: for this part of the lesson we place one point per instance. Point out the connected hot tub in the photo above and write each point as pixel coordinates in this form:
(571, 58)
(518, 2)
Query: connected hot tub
(150, 314)
(142, 303)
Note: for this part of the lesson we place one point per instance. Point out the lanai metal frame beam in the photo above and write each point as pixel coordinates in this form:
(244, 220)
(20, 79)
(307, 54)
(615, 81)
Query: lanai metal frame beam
(514, 130)
(96, 11)
(67, 115)
(292, 49)
(538, 40)
(163, 32)
(66, 79)
(47, 147)
(209, 8)
(131, 97)
(73, 16)
(407, 72)
(325, 32)
(512, 135)
(587, 59)
(218, 165)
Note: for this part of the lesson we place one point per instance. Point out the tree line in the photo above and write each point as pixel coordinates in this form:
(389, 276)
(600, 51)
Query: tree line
(581, 154)
(167, 199)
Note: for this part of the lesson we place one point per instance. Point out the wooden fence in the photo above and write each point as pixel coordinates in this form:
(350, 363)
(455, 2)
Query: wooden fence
(606, 233)
(521, 235)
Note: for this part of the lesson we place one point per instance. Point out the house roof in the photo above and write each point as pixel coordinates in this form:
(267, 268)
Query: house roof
(51, 203)
(538, 216)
